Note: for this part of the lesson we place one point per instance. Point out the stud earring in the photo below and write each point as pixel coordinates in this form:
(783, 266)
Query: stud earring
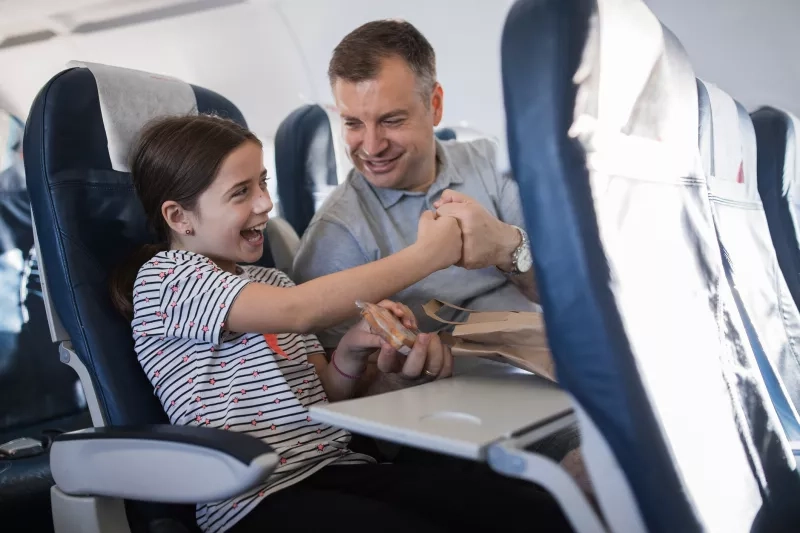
(189, 231)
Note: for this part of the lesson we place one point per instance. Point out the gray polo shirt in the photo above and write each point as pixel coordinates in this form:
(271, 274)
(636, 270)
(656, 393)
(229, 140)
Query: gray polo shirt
(360, 223)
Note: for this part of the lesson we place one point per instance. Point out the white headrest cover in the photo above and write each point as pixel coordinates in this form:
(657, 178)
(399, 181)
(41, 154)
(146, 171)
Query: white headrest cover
(645, 90)
(129, 99)
(733, 146)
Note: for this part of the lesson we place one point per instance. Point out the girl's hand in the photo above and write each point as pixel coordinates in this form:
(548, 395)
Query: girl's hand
(359, 342)
(439, 240)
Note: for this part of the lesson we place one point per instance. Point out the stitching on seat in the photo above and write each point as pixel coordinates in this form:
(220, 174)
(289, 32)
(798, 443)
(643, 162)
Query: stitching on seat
(76, 184)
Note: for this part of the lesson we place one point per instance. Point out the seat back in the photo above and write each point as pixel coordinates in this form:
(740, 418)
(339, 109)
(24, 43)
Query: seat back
(88, 217)
(730, 158)
(602, 117)
(779, 187)
(305, 164)
(37, 389)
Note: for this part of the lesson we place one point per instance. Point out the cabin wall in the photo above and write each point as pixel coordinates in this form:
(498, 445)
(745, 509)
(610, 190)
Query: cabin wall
(270, 56)
(746, 47)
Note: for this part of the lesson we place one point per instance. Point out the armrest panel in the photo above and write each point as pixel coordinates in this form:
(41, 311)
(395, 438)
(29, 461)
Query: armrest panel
(169, 464)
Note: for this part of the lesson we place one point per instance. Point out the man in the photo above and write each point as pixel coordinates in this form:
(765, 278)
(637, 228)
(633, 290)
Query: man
(383, 77)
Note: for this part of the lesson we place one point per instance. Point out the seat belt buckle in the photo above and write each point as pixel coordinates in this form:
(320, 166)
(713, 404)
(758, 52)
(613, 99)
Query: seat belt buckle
(23, 447)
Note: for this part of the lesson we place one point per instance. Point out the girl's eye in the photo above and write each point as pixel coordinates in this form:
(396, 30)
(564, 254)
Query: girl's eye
(241, 192)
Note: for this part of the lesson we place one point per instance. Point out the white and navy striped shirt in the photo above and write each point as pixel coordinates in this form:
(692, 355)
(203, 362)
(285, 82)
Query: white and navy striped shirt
(205, 375)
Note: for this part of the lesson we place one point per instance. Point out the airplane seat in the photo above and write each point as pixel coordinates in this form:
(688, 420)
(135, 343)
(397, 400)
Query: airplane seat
(728, 143)
(40, 396)
(779, 187)
(602, 119)
(132, 471)
(305, 164)
(446, 134)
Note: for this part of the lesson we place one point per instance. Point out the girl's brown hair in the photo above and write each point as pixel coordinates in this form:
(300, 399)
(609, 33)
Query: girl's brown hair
(175, 158)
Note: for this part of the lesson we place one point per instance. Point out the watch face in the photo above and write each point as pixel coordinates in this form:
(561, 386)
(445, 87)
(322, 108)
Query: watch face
(524, 262)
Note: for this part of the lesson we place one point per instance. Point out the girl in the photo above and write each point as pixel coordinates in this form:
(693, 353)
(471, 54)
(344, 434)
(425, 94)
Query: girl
(225, 346)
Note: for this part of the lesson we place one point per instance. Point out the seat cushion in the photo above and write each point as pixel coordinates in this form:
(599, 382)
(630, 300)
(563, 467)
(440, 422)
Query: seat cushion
(25, 483)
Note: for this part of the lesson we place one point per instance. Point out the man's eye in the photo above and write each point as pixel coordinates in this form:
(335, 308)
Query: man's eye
(263, 184)
(393, 122)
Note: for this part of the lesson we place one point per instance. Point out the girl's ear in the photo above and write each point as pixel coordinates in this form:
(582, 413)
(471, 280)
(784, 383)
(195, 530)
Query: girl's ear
(177, 217)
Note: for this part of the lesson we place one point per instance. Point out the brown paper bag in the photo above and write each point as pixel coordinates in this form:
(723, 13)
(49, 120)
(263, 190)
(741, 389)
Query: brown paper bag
(514, 337)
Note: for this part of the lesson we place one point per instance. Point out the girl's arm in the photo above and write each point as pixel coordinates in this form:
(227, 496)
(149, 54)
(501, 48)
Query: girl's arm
(330, 300)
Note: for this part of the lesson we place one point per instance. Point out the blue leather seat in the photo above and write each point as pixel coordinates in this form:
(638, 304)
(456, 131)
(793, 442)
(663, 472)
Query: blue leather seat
(40, 395)
(87, 220)
(642, 326)
(779, 187)
(730, 153)
(305, 163)
(446, 134)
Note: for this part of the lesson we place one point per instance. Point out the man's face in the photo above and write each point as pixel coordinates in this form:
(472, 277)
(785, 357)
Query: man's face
(388, 127)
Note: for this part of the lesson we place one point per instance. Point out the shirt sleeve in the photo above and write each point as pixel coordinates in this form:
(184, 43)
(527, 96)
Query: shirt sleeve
(310, 341)
(327, 247)
(195, 298)
(509, 207)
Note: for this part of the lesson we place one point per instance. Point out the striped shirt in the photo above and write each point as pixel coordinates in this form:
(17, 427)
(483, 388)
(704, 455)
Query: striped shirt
(205, 375)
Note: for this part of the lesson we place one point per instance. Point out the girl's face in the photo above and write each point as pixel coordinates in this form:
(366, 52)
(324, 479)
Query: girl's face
(230, 215)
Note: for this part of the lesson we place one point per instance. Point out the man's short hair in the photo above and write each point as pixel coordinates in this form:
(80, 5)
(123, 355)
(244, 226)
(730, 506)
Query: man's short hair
(358, 57)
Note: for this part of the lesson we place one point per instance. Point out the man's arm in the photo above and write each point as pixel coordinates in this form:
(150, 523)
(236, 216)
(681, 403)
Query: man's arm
(327, 247)
(487, 240)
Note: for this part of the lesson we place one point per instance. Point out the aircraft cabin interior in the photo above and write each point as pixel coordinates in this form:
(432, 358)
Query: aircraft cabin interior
(382, 265)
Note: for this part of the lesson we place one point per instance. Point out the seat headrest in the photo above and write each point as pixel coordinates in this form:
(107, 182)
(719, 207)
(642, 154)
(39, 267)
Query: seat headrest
(778, 135)
(646, 89)
(446, 134)
(646, 92)
(129, 99)
(728, 145)
(305, 163)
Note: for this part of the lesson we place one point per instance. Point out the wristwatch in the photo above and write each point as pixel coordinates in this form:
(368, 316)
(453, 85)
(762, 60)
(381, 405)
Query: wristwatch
(521, 257)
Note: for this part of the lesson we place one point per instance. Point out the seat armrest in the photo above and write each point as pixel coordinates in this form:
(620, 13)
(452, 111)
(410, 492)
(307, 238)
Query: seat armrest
(160, 463)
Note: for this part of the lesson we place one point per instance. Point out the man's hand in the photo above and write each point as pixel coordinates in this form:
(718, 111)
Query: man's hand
(486, 240)
(429, 359)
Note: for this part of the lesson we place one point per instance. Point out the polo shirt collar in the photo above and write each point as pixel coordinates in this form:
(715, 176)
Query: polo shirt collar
(447, 176)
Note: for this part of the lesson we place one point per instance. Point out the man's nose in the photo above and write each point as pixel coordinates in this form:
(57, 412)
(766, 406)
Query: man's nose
(374, 142)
